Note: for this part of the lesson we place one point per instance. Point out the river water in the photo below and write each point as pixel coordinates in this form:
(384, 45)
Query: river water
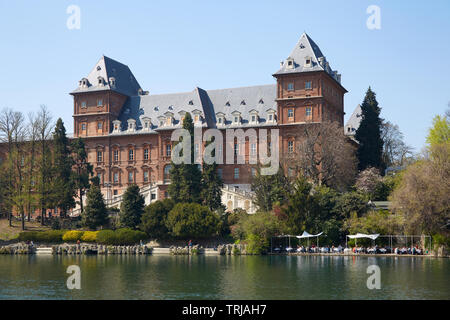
(223, 277)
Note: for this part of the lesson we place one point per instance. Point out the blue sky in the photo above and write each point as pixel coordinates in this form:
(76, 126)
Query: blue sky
(174, 46)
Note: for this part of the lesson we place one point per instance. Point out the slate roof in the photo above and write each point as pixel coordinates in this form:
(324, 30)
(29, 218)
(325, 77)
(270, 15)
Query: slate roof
(305, 49)
(353, 122)
(125, 82)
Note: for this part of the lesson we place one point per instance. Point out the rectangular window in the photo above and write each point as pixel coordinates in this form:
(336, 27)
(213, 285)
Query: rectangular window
(99, 103)
(290, 114)
(220, 173)
(236, 119)
(83, 104)
(253, 118)
(130, 155)
(308, 111)
(116, 177)
(270, 117)
(253, 149)
(236, 173)
(253, 172)
(236, 149)
(168, 150)
(130, 177)
(99, 176)
(99, 156)
(99, 125)
(146, 154)
(290, 146)
(116, 155)
(145, 176)
(83, 126)
(308, 85)
(290, 86)
(220, 120)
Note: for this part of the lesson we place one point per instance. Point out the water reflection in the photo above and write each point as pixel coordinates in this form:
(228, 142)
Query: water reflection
(223, 277)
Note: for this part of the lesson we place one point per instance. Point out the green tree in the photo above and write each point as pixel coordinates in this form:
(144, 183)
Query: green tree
(302, 208)
(83, 169)
(192, 220)
(63, 185)
(212, 184)
(132, 207)
(439, 132)
(370, 148)
(95, 214)
(270, 189)
(186, 177)
(153, 221)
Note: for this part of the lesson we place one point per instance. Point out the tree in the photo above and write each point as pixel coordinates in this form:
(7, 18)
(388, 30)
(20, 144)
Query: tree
(63, 184)
(324, 155)
(186, 177)
(440, 131)
(96, 214)
(211, 185)
(351, 202)
(132, 207)
(368, 134)
(270, 189)
(153, 221)
(192, 220)
(368, 180)
(395, 150)
(83, 169)
(44, 165)
(423, 194)
(302, 208)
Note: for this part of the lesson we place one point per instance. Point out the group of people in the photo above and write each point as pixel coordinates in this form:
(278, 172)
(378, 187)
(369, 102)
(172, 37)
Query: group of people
(340, 249)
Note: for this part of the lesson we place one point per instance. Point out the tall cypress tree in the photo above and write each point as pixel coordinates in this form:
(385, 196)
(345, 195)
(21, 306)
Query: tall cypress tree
(212, 184)
(370, 147)
(186, 177)
(63, 185)
(83, 169)
(132, 207)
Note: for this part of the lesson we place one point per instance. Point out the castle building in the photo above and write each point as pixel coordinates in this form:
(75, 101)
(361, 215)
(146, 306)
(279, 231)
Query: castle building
(127, 131)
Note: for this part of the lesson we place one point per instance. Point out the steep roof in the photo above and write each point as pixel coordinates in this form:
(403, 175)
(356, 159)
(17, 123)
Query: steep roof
(114, 76)
(306, 49)
(353, 122)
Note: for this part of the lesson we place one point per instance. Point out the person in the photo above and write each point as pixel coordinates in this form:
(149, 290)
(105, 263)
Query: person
(190, 243)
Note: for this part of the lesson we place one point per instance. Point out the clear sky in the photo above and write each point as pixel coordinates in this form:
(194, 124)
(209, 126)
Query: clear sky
(173, 46)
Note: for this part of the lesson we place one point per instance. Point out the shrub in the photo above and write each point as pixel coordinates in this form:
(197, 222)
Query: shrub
(154, 218)
(120, 237)
(106, 237)
(89, 236)
(49, 236)
(192, 220)
(256, 244)
(72, 236)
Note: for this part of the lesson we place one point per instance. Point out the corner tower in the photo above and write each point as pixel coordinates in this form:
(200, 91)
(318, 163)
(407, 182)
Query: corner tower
(100, 97)
(308, 90)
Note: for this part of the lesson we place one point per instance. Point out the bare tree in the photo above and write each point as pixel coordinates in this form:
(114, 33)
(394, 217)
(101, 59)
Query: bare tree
(12, 133)
(324, 155)
(395, 150)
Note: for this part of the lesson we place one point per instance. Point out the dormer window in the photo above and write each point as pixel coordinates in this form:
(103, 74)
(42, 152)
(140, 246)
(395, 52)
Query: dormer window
(146, 123)
(191, 103)
(220, 118)
(253, 116)
(243, 103)
(290, 63)
(197, 116)
(112, 81)
(99, 68)
(236, 117)
(227, 104)
(261, 101)
(100, 81)
(271, 115)
(169, 118)
(308, 62)
(116, 126)
(131, 125)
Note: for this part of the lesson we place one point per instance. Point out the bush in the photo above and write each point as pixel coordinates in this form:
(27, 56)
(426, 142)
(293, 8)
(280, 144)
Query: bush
(89, 236)
(50, 236)
(72, 236)
(154, 218)
(192, 220)
(120, 237)
(256, 244)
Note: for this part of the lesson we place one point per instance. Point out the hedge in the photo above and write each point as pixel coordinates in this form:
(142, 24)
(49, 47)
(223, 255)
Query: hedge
(89, 236)
(120, 237)
(72, 236)
(49, 236)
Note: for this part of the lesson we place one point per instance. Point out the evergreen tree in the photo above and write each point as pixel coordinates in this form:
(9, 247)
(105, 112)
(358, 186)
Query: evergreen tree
(370, 149)
(63, 186)
(95, 214)
(270, 189)
(83, 169)
(186, 177)
(132, 207)
(212, 184)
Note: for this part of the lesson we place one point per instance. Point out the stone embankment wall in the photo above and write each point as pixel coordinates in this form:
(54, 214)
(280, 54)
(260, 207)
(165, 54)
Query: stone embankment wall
(225, 249)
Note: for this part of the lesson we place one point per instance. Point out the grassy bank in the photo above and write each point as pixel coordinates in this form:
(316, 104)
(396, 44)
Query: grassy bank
(10, 233)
